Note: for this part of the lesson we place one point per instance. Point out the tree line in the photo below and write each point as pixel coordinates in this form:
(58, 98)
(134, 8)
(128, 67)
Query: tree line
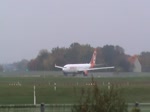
(108, 55)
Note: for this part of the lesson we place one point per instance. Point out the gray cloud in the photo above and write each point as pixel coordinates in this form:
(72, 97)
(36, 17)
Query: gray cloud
(27, 26)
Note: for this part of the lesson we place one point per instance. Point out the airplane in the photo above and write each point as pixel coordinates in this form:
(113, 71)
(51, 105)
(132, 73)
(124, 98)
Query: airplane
(82, 68)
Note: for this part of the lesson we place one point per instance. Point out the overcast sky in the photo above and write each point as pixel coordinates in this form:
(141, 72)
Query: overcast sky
(27, 26)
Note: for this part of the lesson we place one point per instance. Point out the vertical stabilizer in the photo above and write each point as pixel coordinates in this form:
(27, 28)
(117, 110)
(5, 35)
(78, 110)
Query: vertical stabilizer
(93, 59)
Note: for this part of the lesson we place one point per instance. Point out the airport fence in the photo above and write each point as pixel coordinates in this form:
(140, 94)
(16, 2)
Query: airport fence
(145, 107)
(36, 108)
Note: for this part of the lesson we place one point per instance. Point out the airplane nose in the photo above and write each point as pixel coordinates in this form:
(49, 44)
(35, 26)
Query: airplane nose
(64, 69)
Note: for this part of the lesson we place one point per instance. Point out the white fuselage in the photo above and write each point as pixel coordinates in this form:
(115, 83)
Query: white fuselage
(81, 68)
(75, 68)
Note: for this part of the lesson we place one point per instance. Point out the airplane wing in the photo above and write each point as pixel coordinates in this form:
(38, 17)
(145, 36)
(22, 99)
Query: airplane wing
(59, 67)
(100, 68)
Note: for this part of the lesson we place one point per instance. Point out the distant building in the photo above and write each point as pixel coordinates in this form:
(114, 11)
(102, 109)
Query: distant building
(134, 61)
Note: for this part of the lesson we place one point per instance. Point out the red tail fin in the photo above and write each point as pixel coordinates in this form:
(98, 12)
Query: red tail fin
(93, 59)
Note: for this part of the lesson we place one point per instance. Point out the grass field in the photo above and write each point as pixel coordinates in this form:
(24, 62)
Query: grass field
(17, 88)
